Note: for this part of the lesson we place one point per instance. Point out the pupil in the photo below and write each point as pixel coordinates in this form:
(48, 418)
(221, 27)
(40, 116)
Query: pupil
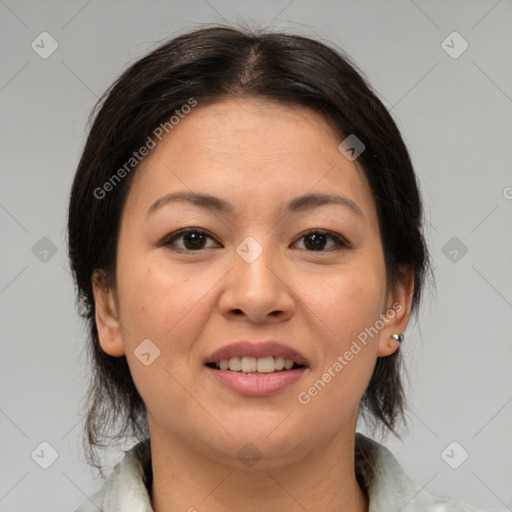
(318, 240)
(196, 238)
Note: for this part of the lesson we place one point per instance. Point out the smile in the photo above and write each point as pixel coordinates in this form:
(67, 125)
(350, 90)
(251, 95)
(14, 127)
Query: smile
(249, 365)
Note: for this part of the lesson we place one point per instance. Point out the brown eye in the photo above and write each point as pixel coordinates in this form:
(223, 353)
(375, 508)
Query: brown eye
(316, 240)
(194, 239)
(190, 239)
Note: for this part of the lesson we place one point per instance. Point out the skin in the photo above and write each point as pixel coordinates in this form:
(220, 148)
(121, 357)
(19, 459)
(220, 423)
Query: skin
(257, 155)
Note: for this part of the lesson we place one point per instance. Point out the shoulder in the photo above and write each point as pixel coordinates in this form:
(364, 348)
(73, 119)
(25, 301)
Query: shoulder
(389, 489)
(124, 490)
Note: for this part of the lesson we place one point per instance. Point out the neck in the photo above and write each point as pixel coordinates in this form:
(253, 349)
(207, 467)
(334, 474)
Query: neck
(186, 480)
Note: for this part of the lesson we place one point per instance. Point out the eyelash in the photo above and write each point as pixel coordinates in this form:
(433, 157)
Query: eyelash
(168, 241)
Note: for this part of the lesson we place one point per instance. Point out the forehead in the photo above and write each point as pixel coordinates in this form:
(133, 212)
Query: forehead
(249, 124)
(255, 149)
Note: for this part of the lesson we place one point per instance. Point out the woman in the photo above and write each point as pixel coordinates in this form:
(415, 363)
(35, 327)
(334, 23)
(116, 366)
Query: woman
(245, 234)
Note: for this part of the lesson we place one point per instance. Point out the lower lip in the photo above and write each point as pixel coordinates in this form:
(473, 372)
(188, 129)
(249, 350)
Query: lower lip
(258, 385)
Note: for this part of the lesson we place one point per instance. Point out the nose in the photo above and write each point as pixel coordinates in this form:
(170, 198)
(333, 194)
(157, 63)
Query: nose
(258, 290)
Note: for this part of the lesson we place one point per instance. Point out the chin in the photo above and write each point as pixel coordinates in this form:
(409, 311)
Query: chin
(269, 443)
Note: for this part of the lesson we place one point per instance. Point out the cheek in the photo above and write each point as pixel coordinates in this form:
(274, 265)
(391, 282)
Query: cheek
(163, 303)
(348, 299)
(151, 296)
(167, 308)
(344, 306)
(342, 312)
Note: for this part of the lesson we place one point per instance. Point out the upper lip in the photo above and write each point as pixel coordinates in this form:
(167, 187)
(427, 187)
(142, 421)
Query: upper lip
(260, 349)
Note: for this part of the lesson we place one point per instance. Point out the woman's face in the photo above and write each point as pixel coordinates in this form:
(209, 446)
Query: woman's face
(253, 273)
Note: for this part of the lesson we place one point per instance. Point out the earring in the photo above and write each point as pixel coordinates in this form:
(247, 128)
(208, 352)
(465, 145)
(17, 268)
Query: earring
(398, 337)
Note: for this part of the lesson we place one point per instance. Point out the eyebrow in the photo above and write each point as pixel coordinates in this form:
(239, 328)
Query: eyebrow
(213, 203)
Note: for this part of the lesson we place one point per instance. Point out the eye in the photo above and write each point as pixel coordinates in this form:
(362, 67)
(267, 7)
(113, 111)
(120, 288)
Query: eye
(193, 239)
(316, 239)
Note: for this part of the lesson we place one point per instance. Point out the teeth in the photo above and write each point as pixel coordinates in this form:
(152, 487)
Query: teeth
(279, 363)
(249, 364)
(235, 364)
(265, 364)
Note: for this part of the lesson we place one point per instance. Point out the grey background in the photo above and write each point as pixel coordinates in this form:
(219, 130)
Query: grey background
(456, 117)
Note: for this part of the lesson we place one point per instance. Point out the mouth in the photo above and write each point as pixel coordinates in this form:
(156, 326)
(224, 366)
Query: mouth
(247, 365)
(256, 358)
(256, 369)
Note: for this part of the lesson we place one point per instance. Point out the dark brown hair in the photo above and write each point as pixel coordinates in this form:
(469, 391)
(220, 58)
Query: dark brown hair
(209, 64)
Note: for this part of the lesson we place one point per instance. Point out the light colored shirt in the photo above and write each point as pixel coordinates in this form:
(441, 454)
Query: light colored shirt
(377, 470)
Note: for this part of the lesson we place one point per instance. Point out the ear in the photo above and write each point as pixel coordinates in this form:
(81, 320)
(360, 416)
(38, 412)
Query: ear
(107, 323)
(397, 312)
